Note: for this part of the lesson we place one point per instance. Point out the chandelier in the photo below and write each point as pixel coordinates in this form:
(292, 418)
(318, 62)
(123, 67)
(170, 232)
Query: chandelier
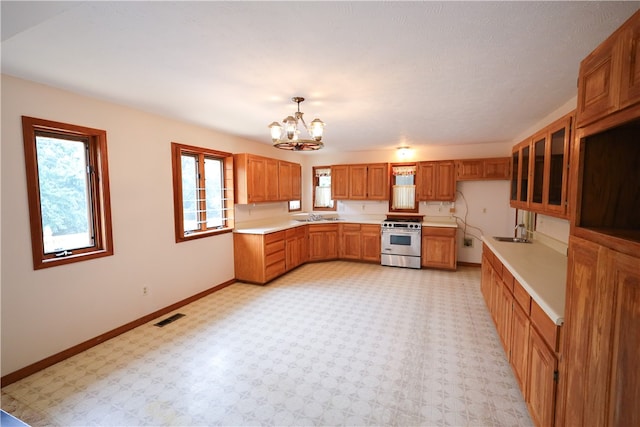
(287, 136)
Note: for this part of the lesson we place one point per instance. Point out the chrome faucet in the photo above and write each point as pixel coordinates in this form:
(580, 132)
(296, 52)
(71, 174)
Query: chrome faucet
(315, 217)
(523, 232)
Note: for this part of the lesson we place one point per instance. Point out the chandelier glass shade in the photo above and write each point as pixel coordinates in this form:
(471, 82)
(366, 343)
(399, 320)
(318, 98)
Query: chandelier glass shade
(288, 136)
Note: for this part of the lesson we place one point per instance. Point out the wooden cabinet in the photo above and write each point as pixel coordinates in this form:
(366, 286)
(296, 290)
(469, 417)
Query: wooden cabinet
(540, 175)
(483, 169)
(360, 182)
(350, 245)
(370, 240)
(259, 258)
(359, 242)
(261, 179)
(436, 181)
(520, 330)
(296, 247)
(541, 381)
(599, 372)
(323, 242)
(529, 337)
(439, 249)
(609, 78)
(340, 182)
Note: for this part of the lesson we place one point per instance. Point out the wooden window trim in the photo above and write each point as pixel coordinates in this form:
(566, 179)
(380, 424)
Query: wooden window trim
(101, 208)
(177, 150)
(314, 181)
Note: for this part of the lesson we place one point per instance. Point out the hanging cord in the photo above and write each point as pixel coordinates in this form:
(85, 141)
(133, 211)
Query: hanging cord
(464, 220)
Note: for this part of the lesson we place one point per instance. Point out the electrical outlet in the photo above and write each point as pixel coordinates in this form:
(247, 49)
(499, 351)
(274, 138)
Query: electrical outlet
(468, 242)
(145, 290)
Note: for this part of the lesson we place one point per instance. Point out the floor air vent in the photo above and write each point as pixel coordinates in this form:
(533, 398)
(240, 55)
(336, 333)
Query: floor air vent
(169, 320)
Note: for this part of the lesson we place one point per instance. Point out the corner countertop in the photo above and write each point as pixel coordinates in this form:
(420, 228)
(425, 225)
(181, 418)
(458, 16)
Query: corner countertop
(541, 270)
(278, 224)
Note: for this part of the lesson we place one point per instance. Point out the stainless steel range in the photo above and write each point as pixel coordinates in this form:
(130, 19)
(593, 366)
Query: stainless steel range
(401, 242)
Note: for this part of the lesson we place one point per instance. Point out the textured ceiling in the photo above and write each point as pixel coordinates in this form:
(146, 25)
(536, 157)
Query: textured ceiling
(378, 73)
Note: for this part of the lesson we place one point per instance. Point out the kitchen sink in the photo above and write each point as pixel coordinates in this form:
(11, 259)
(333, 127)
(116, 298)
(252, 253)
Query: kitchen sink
(512, 239)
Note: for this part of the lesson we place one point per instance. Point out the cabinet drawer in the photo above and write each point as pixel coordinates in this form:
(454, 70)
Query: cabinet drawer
(275, 257)
(522, 296)
(507, 278)
(273, 248)
(275, 270)
(545, 326)
(295, 232)
(273, 237)
(350, 227)
(439, 231)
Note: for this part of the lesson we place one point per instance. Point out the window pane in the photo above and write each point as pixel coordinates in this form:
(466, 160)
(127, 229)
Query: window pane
(213, 173)
(190, 192)
(65, 198)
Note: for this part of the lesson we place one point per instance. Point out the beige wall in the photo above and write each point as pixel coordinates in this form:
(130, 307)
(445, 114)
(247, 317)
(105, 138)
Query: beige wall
(46, 311)
(50, 310)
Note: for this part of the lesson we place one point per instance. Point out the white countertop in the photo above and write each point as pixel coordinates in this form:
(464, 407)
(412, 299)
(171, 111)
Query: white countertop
(541, 270)
(279, 224)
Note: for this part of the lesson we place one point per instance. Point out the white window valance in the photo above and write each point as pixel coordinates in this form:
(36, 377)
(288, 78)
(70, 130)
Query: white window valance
(323, 172)
(403, 170)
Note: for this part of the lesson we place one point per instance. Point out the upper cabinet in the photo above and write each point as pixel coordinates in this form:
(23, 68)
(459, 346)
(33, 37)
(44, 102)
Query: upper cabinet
(483, 169)
(609, 78)
(539, 171)
(360, 182)
(261, 179)
(436, 181)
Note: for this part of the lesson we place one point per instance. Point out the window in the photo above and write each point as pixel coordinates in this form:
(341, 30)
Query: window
(68, 191)
(322, 189)
(403, 188)
(202, 191)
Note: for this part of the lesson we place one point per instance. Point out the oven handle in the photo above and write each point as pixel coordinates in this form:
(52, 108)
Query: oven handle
(401, 231)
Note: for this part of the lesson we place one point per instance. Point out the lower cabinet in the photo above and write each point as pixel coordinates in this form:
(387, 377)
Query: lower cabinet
(259, 257)
(439, 247)
(323, 242)
(360, 242)
(296, 247)
(528, 335)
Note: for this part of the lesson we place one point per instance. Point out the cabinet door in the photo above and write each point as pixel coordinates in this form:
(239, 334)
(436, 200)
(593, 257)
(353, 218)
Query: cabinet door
(538, 150)
(587, 336)
(485, 281)
(270, 180)
(439, 251)
(340, 182)
(426, 181)
(358, 182)
(256, 188)
(515, 174)
(598, 83)
(296, 181)
(498, 168)
(505, 310)
(469, 170)
(350, 247)
(630, 81)
(446, 181)
(541, 390)
(323, 242)
(624, 276)
(285, 183)
(378, 181)
(370, 242)
(556, 171)
(520, 346)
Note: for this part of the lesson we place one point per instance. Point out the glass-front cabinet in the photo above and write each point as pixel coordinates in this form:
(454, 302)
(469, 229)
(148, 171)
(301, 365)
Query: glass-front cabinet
(539, 181)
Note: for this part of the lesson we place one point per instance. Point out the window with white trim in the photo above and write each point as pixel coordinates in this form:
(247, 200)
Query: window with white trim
(202, 190)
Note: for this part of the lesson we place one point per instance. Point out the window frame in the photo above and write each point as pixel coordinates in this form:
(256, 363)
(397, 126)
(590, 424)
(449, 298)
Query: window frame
(392, 183)
(315, 180)
(100, 208)
(177, 150)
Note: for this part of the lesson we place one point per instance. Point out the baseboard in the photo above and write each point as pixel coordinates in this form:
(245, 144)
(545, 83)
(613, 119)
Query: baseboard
(65, 354)
(469, 264)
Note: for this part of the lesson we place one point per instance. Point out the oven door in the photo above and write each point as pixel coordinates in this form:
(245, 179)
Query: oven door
(401, 242)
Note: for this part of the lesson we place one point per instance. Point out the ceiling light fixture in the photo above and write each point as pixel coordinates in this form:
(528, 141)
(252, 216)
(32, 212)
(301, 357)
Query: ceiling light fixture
(287, 135)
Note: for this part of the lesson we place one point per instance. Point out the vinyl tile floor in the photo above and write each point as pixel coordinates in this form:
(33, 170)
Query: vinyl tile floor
(334, 343)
